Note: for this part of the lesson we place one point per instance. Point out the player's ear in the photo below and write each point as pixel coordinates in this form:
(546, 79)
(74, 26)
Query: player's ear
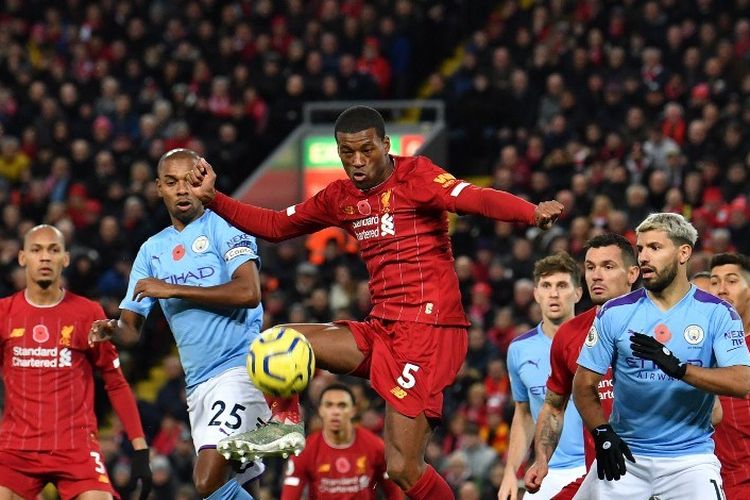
(685, 252)
(66, 259)
(387, 144)
(633, 273)
(579, 293)
(21, 258)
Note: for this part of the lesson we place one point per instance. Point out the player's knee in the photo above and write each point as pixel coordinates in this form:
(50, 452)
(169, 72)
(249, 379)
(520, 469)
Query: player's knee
(403, 472)
(206, 483)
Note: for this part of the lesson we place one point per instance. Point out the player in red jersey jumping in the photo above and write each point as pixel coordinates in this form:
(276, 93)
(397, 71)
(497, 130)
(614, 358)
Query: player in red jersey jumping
(610, 269)
(414, 340)
(342, 461)
(730, 280)
(48, 432)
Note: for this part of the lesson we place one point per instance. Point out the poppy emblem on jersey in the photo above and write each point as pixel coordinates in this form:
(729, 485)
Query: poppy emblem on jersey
(662, 333)
(363, 207)
(385, 201)
(200, 244)
(693, 334)
(342, 465)
(40, 334)
(592, 337)
(178, 252)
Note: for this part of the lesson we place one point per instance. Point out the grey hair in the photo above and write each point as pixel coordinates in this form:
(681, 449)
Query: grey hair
(678, 229)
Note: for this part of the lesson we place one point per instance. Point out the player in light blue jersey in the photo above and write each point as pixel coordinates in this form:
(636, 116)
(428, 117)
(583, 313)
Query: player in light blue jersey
(204, 274)
(557, 289)
(672, 347)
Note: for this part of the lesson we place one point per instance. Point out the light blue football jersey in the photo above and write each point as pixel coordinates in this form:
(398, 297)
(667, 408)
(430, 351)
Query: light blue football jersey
(529, 368)
(657, 415)
(205, 253)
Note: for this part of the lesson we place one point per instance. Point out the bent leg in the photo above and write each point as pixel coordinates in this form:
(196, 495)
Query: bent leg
(334, 345)
(210, 473)
(405, 443)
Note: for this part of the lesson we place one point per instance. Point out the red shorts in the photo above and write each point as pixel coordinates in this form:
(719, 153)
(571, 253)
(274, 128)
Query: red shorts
(570, 490)
(26, 472)
(409, 364)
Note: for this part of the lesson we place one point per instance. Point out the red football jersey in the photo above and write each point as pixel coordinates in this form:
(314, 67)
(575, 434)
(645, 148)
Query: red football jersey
(566, 346)
(333, 473)
(402, 229)
(47, 368)
(732, 438)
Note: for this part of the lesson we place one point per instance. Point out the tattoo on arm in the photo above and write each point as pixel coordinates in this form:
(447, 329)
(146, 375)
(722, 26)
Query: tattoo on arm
(551, 425)
(555, 400)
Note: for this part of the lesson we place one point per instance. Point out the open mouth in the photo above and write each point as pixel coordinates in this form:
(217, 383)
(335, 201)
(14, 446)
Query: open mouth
(359, 176)
(647, 273)
(184, 205)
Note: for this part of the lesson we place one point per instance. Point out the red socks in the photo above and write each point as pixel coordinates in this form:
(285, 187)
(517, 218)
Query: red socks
(285, 410)
(430, 485)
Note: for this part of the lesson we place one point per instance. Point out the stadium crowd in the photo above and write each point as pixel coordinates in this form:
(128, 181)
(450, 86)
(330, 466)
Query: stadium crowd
(615, 109)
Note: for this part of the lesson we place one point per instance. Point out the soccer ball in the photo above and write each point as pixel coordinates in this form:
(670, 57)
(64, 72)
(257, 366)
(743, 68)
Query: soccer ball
(281, 361)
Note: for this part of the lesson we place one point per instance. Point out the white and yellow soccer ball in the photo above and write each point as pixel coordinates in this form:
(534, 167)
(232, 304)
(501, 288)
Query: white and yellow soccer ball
(281, 361)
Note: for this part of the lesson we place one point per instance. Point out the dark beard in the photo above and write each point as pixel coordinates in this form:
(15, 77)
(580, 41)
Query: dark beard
(662, 281)
(44, 283)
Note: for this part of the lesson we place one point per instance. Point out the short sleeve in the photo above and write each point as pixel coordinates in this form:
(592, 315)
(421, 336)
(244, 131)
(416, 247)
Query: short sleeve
(729, 338)
(599, 347)
(141, 269)
(518, 388)
(234, 246)
(561, 379)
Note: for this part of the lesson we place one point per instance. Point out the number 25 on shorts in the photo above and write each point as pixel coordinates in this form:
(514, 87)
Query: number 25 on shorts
(407, 380)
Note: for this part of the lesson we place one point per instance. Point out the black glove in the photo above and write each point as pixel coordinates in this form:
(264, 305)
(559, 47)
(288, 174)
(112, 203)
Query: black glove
(140, 469)
(610, 450)
(647, 347)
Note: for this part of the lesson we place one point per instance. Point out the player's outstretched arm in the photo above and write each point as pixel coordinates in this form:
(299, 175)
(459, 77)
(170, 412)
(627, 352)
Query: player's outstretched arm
(521, 434)
(503, 206)
(549, 427)
(243, 290)
(264, 223)
(126, 330)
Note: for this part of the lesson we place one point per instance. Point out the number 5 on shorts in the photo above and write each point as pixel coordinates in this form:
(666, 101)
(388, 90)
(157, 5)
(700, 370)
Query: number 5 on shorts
(406, 380)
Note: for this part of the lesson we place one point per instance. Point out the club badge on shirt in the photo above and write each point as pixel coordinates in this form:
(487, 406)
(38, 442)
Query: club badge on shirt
(200, 244)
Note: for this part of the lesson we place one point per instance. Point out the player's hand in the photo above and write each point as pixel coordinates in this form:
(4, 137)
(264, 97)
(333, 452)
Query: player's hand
(102, 330)
(647, 347)
(153, 288)
(508, 487)
(611, 452)
(535, 475)
(141, 469)
(202, 181)
(547, 212)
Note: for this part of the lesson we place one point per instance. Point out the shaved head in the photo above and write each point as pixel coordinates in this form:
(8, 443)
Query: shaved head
(176, 154)
(43, 227)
